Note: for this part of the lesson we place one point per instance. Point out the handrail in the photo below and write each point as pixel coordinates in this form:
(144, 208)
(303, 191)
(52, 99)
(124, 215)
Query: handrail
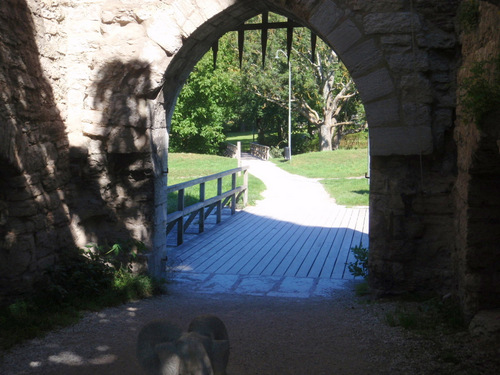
(218, 202)
(260, 151)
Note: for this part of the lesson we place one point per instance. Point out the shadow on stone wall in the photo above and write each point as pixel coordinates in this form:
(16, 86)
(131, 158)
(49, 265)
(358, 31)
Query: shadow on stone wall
(34, 215)
(114, 175)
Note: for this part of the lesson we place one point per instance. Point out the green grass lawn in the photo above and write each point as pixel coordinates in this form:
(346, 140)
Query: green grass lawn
(244, 137)
(185, 167)
(336, 169)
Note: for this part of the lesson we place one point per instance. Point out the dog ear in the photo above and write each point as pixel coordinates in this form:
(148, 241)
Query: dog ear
(150, 336)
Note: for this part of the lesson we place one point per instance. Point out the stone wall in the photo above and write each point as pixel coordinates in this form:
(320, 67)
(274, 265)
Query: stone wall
(34, 155)
(477, 197)
(84, 148)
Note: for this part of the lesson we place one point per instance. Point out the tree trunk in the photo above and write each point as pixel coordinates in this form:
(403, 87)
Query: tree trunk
(337, 137)
(325, 138)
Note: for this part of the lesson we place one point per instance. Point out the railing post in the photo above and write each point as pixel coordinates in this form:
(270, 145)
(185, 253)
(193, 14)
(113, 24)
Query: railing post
(219, 203)
(245, 184)
(180, 223)
(238, 155)
(201, 220)
(233, 197)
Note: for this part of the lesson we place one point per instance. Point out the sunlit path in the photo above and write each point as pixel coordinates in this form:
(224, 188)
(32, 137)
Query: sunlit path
(294, 242)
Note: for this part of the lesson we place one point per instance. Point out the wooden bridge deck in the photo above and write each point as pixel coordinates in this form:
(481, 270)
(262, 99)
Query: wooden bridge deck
(295, 236)
(317, 246)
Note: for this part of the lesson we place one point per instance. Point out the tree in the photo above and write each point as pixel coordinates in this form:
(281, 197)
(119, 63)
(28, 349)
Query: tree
(205, 105)
(325, 101)
(324, 94)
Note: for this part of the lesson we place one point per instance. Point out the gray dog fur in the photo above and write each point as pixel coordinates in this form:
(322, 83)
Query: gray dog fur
(163, 349)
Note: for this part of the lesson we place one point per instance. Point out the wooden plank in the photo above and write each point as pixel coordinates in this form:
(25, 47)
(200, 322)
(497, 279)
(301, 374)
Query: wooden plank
(211, 243)
(333, 253)
(324, 250)
(338, 271)
(220, 254)
(315, 248)
(184, 185)
(245, 252)
(217, 234)
(282, 252)
(268, 249)
(356, 239)
(294, 248)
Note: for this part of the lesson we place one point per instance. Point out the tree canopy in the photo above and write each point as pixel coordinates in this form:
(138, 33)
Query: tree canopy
(325, 103)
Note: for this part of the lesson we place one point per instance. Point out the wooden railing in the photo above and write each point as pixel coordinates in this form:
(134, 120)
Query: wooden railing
(233, 150)
(204, 208)
(260, 151)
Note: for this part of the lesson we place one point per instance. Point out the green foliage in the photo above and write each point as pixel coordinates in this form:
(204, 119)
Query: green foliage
(348, 191)
(468, 15)
(334, 164)
(359, 268)
(228, 99)
(427, 315)
(276, 152)
(83, 279)
(246, 138)
(205, 105)
(480, 91)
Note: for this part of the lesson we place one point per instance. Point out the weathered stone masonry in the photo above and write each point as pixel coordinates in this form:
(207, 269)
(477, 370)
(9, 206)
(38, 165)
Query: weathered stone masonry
(89, 86)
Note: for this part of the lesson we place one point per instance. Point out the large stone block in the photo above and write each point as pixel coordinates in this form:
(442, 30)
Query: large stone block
(375, 85)
(163, 30)
(325, 17)
(401, 140)
(391, 23)
(382, 113)
(362, 58)
(344, 36)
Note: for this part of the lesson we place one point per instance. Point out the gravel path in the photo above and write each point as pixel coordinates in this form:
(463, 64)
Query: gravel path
(282, 336)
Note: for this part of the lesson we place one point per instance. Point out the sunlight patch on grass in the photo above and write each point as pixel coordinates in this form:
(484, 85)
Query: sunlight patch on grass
(348, 192)
(327, 164)
(185, 167)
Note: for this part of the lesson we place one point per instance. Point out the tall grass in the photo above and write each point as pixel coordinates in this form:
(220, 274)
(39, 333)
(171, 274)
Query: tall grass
(246, 138)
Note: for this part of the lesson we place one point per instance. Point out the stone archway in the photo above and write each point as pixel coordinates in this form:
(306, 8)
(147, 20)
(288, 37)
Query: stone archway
(116, 68)
(394, 63)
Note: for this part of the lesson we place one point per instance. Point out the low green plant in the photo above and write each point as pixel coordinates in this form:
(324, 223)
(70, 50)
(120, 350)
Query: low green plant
(359, 268)
(468, 15)
(427, 315)
(480, 91)
(92, 278)
(275, 152)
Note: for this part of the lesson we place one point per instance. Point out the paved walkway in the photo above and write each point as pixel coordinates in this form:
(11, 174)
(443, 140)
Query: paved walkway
(294, 243)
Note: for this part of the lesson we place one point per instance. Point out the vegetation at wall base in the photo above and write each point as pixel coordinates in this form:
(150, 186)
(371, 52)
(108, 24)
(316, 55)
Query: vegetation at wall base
(480, 91)
(426, 314)
(359, 268)
(88, 279)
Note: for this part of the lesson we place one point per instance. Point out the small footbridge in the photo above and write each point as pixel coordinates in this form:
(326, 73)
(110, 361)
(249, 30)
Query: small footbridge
(295, 242)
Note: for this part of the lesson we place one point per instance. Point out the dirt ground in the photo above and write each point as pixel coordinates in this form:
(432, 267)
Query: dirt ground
(336, 335)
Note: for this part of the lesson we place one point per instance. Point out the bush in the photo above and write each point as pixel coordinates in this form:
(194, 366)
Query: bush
(360, 265)
(276, 152)
(83, 279)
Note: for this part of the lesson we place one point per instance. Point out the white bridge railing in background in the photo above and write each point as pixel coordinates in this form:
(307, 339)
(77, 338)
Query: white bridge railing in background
(259, 151)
